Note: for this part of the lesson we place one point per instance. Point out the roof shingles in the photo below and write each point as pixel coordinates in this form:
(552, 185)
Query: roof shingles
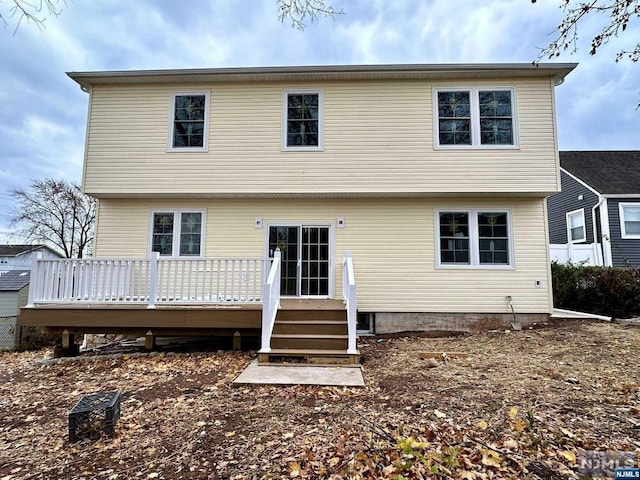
(609, 172)
(14, 280)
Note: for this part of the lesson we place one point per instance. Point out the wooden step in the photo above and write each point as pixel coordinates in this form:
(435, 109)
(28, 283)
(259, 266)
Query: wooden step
(309, 341)
(310, 357)
(316, 327)
(311, 315)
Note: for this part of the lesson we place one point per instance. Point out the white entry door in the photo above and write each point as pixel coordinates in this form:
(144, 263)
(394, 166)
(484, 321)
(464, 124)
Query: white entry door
(306, 259)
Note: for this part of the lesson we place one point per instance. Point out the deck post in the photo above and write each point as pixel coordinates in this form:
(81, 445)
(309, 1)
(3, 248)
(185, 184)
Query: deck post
(68, 343)
(237, 341)
(149, 341)
(34, 280)
(153, 278)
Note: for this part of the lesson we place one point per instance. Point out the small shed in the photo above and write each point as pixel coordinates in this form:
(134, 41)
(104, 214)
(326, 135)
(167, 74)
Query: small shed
(14, 294)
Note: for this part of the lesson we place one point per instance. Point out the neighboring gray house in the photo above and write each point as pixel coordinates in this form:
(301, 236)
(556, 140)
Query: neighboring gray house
(20, 257)
(14, 293)
(598, 209)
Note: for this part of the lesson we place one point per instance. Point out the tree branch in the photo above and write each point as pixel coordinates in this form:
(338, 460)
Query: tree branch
(618, 15)
(56, 212)
(31, 11)
(297, 11)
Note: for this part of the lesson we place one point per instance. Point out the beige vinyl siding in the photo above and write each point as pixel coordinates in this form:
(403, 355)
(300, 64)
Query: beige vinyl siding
(392, 243)
(378, 138)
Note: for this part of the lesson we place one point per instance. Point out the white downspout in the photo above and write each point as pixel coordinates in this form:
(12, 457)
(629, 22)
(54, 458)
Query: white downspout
(595, 226)
(606, 234)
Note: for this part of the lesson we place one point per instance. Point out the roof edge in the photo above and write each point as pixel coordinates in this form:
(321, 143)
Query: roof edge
(554, 70)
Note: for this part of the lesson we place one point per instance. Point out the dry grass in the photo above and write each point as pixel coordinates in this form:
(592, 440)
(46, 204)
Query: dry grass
(521, 406)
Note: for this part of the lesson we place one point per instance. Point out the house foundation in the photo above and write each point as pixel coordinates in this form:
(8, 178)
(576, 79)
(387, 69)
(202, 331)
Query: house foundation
(396, 322)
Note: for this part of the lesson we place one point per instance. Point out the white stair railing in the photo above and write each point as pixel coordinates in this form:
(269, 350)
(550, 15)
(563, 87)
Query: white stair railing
(349, 293)
(270, 301)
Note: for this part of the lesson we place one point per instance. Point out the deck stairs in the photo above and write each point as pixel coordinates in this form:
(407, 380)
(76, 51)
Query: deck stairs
(312, 332)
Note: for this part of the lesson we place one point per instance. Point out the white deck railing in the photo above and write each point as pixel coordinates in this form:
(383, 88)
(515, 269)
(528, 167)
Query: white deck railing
(149, 281)
(349, 293)
(270, 301)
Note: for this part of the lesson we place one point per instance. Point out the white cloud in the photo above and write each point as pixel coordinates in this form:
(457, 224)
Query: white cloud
(43, 113)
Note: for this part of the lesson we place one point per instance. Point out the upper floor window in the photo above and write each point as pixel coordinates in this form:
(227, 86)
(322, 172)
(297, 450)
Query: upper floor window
(474, 239)
(475, 117)
(630, 220)
(302, 120)
(177, 233)
(189, 121)
(576, 226)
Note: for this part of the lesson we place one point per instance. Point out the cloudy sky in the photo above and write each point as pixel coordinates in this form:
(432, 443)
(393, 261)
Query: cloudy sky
(43, 112)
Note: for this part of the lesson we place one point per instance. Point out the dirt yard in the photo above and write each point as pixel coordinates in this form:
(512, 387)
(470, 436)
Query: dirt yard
(521, 405)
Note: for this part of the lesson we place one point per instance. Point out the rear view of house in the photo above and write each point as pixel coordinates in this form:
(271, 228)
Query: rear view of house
(417, 188)
(596, 217)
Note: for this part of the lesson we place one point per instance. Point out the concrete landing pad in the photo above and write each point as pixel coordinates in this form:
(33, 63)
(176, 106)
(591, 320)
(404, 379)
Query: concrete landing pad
(300, 375)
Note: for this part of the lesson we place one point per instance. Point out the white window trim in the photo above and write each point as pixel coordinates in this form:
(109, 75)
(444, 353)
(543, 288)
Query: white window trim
(475, 117)
(177, 226)
(172, 111)
(580, 211)
(474, 250)
(623, 230)
(285, 95)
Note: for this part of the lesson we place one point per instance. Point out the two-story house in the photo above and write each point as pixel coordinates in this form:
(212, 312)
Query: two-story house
(420, 187)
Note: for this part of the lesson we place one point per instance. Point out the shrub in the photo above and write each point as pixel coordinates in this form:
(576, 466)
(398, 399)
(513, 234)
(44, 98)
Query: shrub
(610, 291)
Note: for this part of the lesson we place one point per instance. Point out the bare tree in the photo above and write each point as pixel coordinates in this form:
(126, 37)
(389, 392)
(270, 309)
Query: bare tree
(614, 15)
(56, 212)
(298, 11)
(30, 11)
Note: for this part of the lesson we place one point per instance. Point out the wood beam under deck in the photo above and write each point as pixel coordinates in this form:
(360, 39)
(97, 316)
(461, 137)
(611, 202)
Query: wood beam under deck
(163, 320)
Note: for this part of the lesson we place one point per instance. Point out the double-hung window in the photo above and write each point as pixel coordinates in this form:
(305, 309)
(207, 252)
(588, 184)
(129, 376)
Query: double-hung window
(474, 238)
(576, 231)
(189, 122)
(302, 120)
(475, 117)
(177, 233)
(629, 220)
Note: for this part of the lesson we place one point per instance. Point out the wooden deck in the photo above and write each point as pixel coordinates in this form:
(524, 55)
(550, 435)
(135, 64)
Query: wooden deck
(312, 329)
(205, 319)
(198, 319)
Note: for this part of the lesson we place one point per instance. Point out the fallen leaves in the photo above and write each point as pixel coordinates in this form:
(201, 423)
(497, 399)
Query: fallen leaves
(505, 412)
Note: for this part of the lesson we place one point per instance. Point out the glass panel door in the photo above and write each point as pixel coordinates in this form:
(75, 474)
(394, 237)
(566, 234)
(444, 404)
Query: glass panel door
(286, 239)
(315, 261)
(306, 261)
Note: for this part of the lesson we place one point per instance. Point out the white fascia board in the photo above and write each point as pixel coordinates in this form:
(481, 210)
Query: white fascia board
(581, 182)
